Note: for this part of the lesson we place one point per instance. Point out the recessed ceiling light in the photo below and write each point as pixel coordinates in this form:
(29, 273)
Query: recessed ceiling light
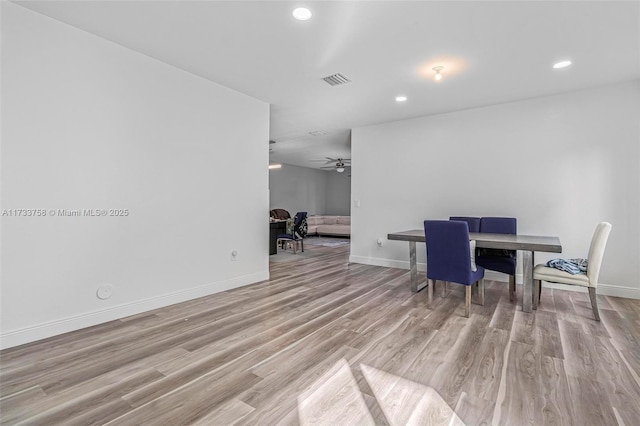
(562, 64)
(401, 98)
(302, 14)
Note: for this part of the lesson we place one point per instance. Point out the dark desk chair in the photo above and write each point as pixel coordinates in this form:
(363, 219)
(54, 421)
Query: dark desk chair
(298, 233)
(504, 261)
(280, 214)
(473, 222)
(449, 254)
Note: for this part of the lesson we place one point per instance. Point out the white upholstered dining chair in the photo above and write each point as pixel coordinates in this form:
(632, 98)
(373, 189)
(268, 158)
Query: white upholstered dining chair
(590, 280)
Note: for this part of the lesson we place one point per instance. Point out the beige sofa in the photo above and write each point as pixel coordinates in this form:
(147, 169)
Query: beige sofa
(329, 225)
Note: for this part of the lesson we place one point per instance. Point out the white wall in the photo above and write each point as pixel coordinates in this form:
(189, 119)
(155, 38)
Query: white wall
(317, 192)
(338, 193)
(559, 164)
(88, 124)
(298, 189)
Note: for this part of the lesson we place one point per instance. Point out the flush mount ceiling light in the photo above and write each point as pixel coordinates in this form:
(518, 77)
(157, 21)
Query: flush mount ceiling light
(302, 14)
(401, 98)
(561, 64)
(275, 166)
(438, 76)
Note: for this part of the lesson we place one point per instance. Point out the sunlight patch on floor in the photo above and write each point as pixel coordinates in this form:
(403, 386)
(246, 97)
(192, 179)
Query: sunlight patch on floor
(405, 402)
(335, 399)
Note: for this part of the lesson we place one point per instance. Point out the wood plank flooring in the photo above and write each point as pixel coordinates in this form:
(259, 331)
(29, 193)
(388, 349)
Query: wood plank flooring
(325, 342)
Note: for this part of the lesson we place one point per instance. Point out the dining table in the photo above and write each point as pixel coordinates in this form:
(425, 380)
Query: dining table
(526, 245)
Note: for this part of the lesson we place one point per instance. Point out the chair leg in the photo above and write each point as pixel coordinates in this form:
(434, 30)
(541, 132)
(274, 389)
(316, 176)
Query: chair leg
(443, 288)
(431, 284)
(594, 303)
(512, 287)
(481, 290)
(539, 290)
(302, 245)
(467, 301)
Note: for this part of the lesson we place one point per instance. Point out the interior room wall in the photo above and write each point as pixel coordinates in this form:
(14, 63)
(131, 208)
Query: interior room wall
(298, 189)
(560, 164)
(338, 193)
(89, 125)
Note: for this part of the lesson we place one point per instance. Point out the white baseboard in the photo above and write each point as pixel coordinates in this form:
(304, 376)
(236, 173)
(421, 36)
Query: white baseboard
(388, 263)
(77, 322)
(618, 291)
(404, 264)
(604, 289)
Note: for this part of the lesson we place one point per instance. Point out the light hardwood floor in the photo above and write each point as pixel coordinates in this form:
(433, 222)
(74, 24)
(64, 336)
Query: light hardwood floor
(328, 342)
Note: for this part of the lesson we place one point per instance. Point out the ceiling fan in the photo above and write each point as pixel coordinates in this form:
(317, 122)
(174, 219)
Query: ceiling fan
(340, 164)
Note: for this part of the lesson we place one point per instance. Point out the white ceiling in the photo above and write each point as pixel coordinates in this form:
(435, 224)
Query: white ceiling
(493, 52)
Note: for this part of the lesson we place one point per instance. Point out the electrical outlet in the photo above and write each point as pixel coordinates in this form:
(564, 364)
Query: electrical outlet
(234, 255)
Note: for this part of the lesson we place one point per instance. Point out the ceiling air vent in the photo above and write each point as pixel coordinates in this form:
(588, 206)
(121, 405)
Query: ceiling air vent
(337, 79)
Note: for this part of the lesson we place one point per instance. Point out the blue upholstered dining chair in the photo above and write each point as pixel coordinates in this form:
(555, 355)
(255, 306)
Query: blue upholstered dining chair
(499, 260)
(473, 222)
(299, 231)
(474, 226)
(449, 258)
